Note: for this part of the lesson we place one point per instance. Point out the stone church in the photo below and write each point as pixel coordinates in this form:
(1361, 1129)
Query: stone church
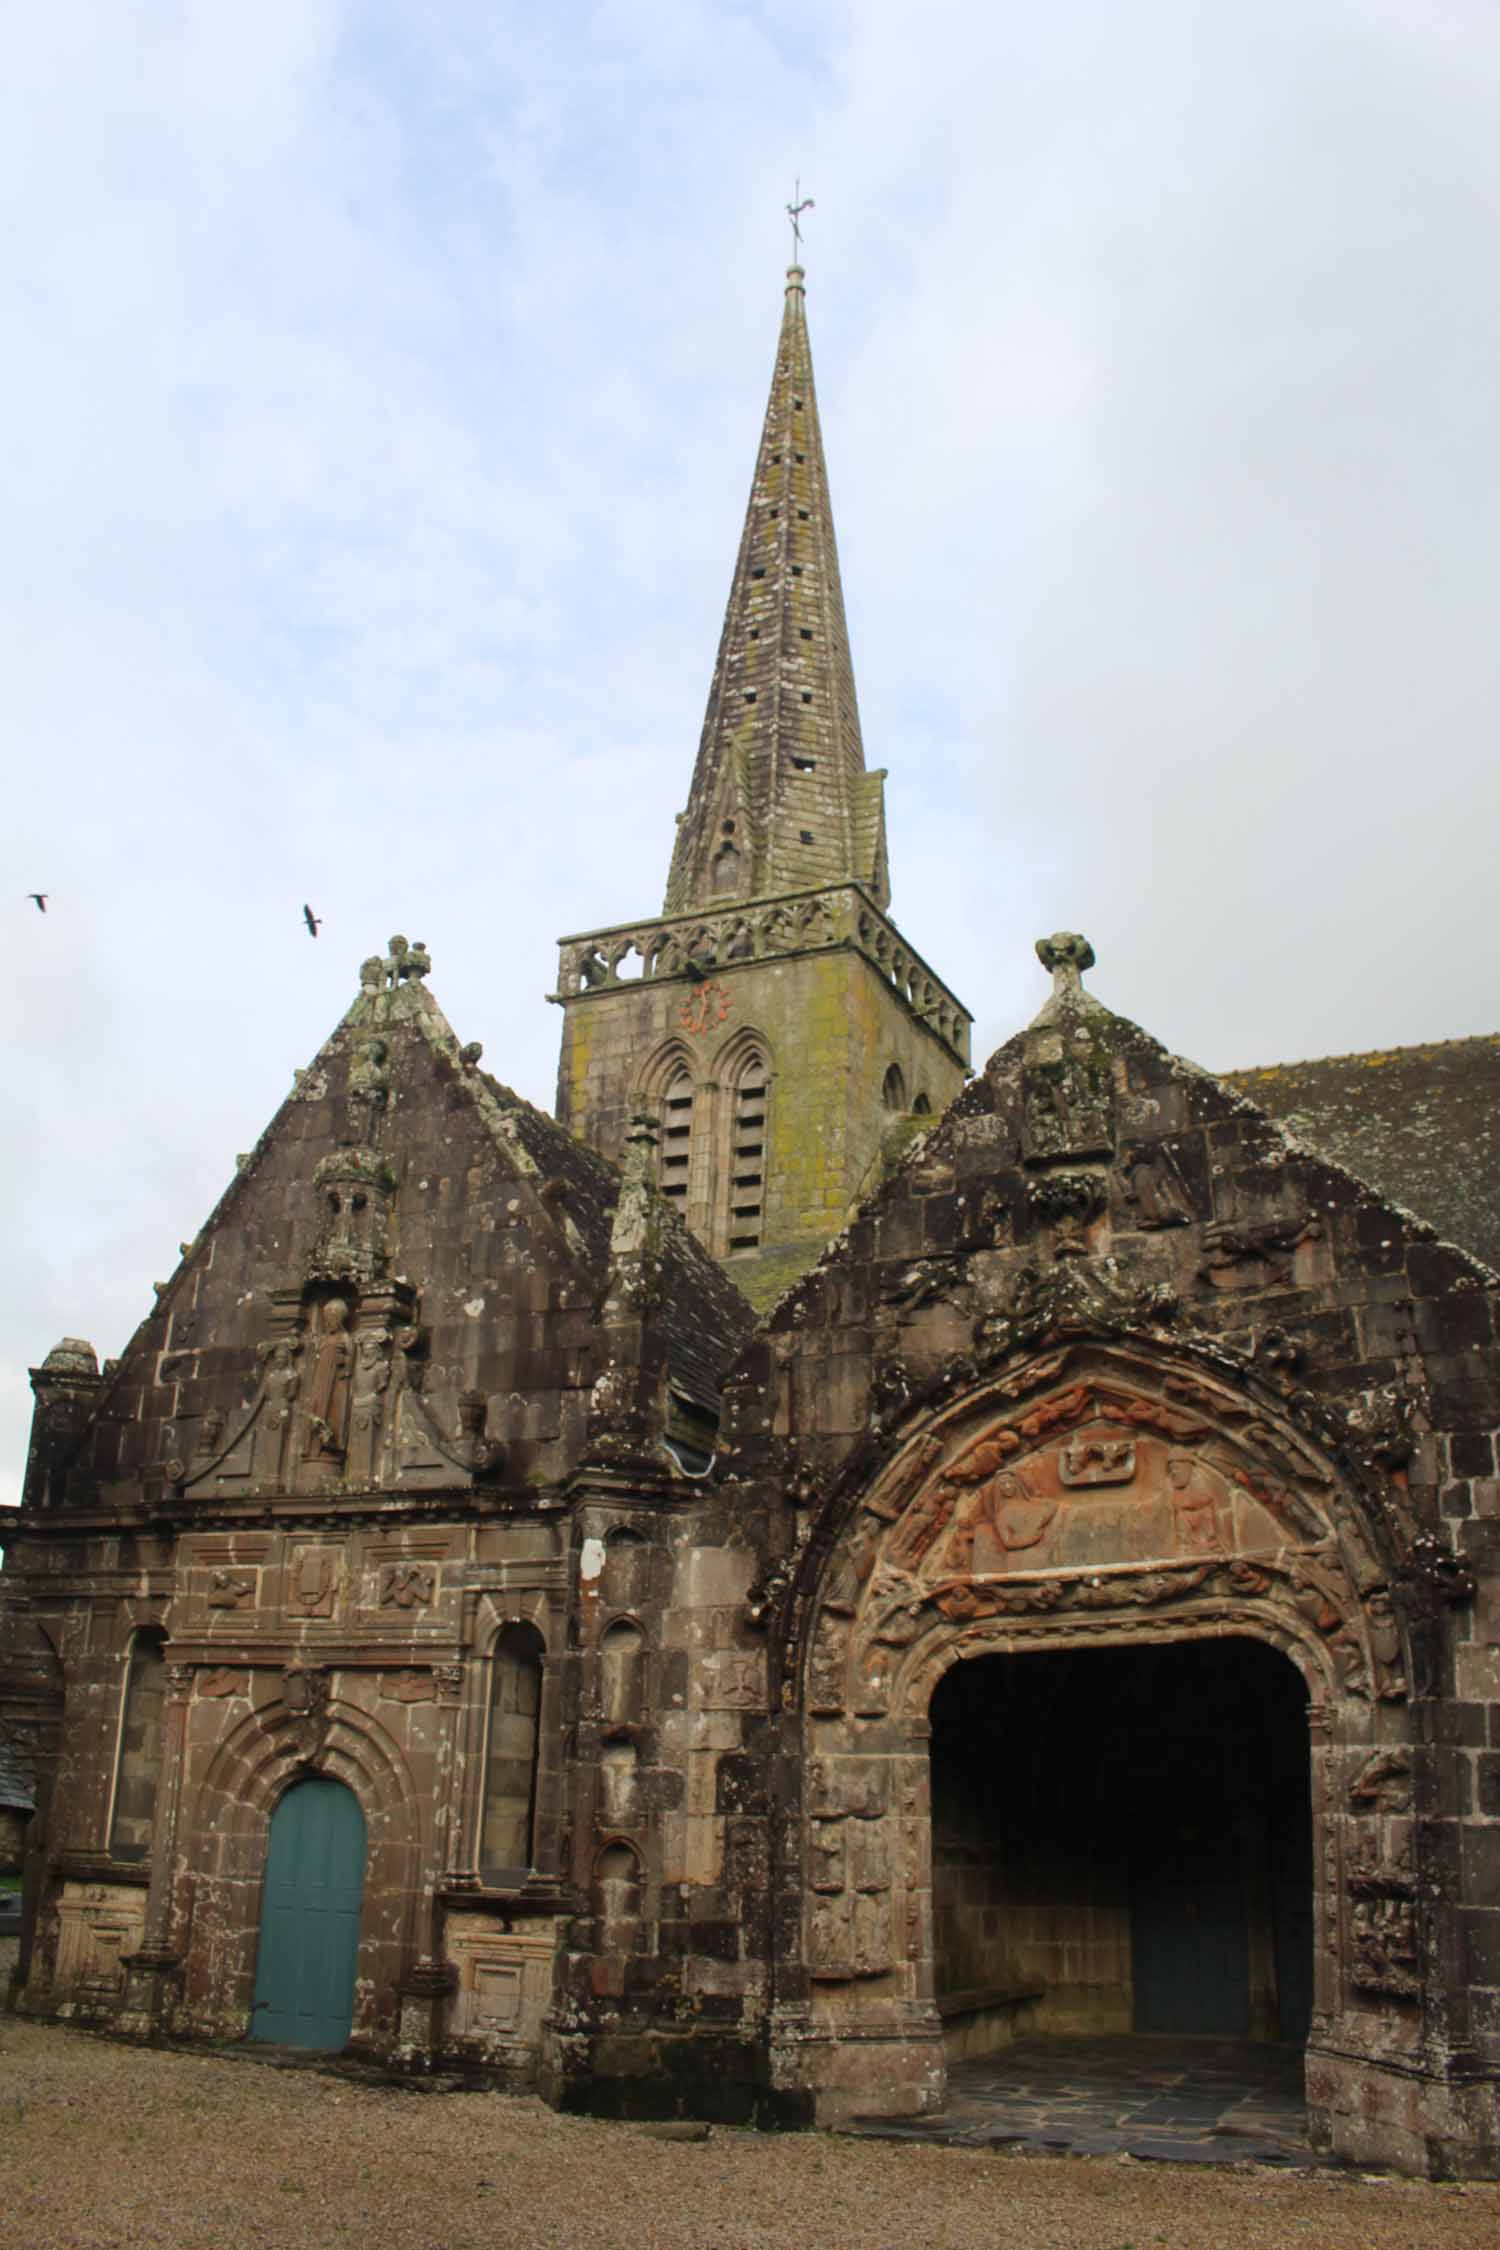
(815, 1561)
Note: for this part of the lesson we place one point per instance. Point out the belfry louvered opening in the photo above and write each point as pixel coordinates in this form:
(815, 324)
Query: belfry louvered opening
(677, 1137)
(745, 1218)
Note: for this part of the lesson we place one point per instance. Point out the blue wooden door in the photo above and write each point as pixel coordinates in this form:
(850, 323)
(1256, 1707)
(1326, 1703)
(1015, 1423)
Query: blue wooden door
(309, 1917)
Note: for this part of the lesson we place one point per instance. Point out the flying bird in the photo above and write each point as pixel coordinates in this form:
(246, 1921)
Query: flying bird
(314, 921)
(41, 898)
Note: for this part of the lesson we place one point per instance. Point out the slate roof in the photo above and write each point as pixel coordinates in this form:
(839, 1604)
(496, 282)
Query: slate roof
(1419, 1124)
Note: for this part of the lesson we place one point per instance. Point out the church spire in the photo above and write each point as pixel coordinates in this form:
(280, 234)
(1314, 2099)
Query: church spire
(780, 799)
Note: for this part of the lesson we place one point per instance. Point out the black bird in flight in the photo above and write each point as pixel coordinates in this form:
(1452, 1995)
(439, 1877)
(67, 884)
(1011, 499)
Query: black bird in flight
(41, 898)
(314, 921)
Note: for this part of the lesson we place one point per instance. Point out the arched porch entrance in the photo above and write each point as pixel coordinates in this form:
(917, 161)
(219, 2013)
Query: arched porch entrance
(1121, 1843)
(1229, 1686)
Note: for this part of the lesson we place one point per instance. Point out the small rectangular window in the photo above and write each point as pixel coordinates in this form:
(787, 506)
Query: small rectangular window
(807, 835)
(807, 632)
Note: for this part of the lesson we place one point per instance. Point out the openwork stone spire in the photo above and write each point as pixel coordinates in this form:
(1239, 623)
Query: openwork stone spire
(780, 799)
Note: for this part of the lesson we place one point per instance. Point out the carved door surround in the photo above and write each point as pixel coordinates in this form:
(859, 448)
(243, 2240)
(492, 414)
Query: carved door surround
(1105, 1494)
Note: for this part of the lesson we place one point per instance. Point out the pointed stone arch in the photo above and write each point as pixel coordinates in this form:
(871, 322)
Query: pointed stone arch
(1105, 1494)
(670, 1085)
(226, 1820)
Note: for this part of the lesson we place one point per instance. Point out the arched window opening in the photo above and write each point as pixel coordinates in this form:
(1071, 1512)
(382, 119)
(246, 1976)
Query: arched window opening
(508, 1834)
(893, 1089)
(677, 1138)
(138, 1765)
(921, 1107)
(726, 871)
(747, 1155)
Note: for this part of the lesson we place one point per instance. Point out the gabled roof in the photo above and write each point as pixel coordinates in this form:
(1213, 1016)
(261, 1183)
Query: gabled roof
(780, 794)
(1420, 1124)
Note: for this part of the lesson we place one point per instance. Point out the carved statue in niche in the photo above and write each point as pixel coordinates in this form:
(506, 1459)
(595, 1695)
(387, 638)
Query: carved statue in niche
(283, 1378)
(329, 1384)
(1384, 1629)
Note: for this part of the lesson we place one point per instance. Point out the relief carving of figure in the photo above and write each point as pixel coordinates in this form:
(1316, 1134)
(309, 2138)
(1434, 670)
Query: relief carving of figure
(406, 1585)
(328, 1387)
(1013, 1521)
(230, 1589)
(1193, 1491)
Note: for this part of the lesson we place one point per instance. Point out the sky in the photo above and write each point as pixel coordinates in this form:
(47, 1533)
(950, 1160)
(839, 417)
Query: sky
(376, 427)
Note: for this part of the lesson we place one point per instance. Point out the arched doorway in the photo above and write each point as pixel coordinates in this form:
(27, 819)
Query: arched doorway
(1093, 1501)
(309, 1921)
(1122, 1842)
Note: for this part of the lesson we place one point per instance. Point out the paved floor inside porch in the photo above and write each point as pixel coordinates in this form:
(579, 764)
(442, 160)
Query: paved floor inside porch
(1175, 2101)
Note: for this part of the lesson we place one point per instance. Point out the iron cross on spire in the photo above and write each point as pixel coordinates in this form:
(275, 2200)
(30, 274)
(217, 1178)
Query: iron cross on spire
(794, 211)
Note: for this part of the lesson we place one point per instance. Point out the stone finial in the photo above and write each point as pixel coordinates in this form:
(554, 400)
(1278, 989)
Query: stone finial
(1067, 955)
(471, 1054)
(73, 1356)
(403, 961)
(640, 1146)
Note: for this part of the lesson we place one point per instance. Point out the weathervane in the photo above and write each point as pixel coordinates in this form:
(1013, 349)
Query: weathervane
(794, 211)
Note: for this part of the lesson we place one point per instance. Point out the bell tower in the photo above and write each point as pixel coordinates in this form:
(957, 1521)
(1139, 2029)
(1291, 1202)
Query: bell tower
(772, 1016)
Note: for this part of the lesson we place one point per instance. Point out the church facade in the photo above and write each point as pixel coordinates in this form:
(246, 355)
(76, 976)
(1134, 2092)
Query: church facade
(801, 1567)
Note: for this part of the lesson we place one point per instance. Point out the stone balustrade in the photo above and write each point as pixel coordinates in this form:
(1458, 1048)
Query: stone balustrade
(692, 945)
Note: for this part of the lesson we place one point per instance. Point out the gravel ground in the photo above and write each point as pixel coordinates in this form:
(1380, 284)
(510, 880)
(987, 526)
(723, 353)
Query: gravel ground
(103, 2146)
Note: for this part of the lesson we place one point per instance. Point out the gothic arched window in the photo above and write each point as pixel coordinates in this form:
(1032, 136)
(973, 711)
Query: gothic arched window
(507, 1839)
(677, 1104)
(138, 1763)
(747, 1087)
